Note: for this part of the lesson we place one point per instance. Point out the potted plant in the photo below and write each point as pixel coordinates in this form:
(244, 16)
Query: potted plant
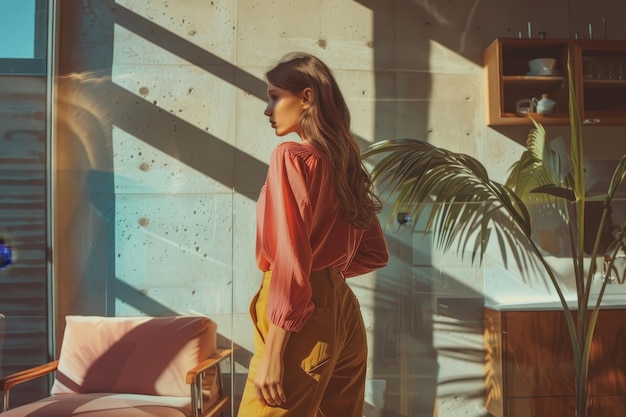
(415, 172)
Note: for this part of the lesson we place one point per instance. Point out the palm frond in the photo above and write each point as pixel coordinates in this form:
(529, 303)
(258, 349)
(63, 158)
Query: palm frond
(455, 186)
(538, 166)
(556, 191)
(617, 179)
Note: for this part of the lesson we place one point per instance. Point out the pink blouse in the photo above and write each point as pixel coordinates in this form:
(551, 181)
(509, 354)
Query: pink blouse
(300, 229)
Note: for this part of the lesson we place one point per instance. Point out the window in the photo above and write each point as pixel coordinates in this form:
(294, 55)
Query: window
(23, 30)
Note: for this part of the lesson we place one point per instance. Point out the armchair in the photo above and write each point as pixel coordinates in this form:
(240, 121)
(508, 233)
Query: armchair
(130, 366)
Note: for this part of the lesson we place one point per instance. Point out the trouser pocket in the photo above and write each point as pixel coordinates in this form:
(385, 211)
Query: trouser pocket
(313, 346)
(259, 336)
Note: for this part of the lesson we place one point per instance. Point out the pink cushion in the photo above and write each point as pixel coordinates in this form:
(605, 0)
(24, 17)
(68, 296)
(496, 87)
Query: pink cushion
(104, 405)
(141, 355)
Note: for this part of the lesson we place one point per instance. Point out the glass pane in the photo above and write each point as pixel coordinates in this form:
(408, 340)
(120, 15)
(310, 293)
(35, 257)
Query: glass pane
(23, 176)
(17, 23)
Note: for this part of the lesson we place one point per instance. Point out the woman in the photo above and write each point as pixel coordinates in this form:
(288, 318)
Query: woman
(316, 226)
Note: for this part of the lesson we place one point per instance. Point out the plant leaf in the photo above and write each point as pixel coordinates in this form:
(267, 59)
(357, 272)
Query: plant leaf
(455, 185)
(556, 191)
(617, 179)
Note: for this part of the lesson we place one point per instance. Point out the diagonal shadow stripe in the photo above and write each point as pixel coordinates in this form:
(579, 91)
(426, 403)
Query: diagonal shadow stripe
(189, 52)
(183, 141)
(194, 54)
(202, 59)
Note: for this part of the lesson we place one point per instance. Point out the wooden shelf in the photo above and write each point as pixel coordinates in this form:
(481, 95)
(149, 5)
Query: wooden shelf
(601, 101)
(534, 78)
(605, 83)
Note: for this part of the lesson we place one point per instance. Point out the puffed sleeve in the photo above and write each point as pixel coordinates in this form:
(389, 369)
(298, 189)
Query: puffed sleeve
(286, 220)
(371, 254)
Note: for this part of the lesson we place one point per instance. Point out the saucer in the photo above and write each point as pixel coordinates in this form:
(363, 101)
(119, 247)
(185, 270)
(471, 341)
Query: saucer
(548, 72)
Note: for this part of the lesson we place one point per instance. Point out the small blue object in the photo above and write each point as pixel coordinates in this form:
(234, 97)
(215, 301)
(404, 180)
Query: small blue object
(6, 254)
(403, 217)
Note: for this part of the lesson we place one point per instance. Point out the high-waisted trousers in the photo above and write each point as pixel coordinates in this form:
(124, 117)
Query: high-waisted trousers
(324, 363)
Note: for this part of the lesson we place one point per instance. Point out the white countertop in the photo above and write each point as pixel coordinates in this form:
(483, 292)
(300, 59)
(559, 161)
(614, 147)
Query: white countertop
(609, 301)
(505, 291)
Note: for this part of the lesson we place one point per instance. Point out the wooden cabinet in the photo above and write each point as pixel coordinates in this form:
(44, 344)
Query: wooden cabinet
(530, 370)
(601, 81)
(598, 68)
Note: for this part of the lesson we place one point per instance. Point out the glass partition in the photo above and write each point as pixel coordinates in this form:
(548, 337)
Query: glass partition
(24, 175)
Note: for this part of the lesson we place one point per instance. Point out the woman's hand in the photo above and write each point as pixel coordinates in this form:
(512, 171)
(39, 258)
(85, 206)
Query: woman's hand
(268, 383)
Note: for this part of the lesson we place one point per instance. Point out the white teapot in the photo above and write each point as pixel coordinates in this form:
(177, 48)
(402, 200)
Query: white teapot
(545, 105)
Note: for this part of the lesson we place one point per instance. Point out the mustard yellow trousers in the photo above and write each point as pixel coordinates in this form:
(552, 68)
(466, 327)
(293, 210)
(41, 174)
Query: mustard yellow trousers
(325, 362)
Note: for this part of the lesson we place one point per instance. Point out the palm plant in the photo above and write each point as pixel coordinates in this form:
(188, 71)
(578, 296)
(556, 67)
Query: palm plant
(465, 205)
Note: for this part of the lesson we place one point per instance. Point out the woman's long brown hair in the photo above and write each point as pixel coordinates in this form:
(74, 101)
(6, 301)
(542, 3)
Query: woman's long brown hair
(326, 124)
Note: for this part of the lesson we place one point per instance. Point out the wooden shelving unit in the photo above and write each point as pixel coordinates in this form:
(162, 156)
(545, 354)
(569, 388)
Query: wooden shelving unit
(601, 80)
(598, 69)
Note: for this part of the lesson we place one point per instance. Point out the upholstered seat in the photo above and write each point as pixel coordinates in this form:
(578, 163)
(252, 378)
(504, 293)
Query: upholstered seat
(130, 366)
(104, 405)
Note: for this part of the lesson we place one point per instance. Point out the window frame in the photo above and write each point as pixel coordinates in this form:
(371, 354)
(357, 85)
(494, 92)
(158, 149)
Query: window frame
(36, 65)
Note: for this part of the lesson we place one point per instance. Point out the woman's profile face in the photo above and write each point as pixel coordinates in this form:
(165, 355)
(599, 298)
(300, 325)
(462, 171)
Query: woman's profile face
(283, 109)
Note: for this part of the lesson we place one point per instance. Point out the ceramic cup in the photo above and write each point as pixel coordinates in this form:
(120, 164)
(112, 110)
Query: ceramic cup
(526, 106)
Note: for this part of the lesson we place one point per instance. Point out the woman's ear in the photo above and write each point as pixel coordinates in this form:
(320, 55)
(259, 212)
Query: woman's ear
(307, 97)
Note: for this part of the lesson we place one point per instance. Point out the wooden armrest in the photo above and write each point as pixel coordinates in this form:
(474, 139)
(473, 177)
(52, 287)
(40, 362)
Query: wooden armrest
(26, 375)
(219, 356)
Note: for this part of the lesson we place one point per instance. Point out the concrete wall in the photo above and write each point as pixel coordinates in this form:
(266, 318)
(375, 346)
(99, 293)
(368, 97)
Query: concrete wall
(162, 147)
